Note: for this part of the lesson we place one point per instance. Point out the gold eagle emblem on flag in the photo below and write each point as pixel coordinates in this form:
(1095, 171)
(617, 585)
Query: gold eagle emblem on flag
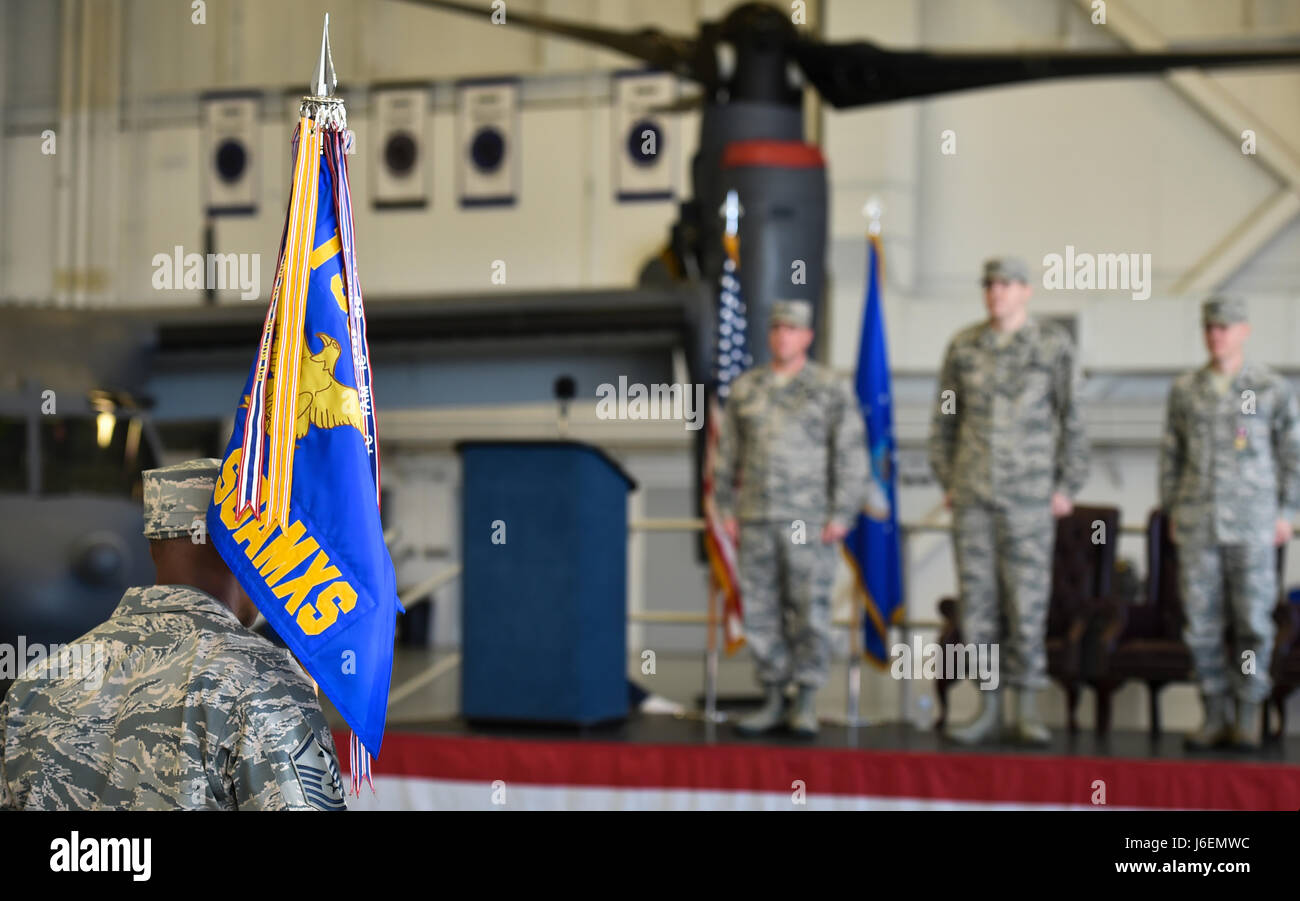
(322, 401)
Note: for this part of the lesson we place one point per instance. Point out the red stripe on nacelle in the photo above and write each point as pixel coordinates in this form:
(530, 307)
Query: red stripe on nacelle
(776, 154)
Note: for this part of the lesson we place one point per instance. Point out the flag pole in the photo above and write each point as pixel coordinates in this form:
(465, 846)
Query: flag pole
(872, 210)
(855, 664)
(723, 599)
(278, 435)
(711, 661)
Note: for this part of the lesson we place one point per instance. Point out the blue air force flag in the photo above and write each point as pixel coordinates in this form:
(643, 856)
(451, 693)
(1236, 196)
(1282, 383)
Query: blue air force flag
(320, 574)
(873, 546)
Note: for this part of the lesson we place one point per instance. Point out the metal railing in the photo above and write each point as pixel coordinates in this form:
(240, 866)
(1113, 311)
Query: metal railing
(931, 523)
(713, 620)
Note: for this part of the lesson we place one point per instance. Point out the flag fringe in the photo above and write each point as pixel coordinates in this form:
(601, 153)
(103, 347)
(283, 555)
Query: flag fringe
(284, 327)
(360, 769)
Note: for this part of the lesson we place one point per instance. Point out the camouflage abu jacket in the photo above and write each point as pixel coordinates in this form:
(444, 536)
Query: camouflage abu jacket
(1230, 463)
(184, 708)
(792, 451)
(1007, 424)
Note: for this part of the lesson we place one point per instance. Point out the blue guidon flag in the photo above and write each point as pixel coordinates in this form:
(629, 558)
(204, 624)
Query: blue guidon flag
(873, 546)
(295, 512)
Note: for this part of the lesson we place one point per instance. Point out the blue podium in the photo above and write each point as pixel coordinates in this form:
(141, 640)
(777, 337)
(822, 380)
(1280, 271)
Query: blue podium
(544, 582)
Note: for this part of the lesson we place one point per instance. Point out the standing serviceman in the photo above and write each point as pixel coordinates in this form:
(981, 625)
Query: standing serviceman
(1008, 449)
(789, 481)
(1230, 484)
(188, 709)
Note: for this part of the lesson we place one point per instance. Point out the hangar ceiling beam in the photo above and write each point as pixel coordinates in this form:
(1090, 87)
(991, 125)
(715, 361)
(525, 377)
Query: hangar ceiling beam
(1266, 221)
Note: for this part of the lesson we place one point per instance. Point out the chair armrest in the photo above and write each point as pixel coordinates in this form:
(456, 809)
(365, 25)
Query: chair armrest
(1085, 621)
(1080, 620)
(1287, 617)
(1109, 616)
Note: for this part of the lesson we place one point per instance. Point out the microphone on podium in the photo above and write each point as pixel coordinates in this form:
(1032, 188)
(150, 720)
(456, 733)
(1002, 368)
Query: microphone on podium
(565, 389)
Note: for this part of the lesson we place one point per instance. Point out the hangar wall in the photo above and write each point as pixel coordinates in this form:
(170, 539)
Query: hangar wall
(1112, 165)
(149, 158)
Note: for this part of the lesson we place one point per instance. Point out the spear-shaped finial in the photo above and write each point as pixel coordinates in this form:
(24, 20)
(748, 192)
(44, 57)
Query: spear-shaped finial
(320, 105)
(731, 211)
(324, 81)
(873, 210)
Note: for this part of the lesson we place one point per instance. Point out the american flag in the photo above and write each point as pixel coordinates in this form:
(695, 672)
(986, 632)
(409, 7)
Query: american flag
(731, 358)
(731, 354)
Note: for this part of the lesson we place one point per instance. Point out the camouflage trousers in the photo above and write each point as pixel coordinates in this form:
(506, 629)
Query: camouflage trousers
(1004, 572)
(786, 591)
(1245, 576)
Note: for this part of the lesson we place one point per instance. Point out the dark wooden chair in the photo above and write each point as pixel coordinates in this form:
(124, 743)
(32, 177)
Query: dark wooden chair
(1081, 578)
(1285, 668)
(1144, 641)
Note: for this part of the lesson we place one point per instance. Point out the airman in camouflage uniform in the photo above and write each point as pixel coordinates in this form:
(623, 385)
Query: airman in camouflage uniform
(792, 440)
(190, 710)
(1230, 482)
(1008, 448)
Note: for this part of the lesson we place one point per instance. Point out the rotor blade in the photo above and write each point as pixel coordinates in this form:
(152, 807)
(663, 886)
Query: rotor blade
(663, 51)
(861, 74)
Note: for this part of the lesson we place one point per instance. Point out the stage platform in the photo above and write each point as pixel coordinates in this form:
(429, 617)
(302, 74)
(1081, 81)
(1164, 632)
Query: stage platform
(663, 762)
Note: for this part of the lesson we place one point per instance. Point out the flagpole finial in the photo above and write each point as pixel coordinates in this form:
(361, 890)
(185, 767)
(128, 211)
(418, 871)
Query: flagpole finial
(873, 211)
(320, 105)
(731, 211)
(324, 81)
